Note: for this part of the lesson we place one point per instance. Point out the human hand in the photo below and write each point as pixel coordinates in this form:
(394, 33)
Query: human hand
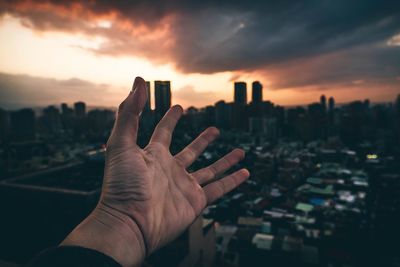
(148, 197)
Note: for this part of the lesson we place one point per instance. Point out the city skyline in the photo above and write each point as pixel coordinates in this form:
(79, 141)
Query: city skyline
(254, 91)
(91, 52)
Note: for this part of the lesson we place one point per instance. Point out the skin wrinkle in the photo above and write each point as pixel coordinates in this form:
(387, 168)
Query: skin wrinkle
(120, 186)
(222, 187)
(132, 218)
(184, 196)
(214, 171)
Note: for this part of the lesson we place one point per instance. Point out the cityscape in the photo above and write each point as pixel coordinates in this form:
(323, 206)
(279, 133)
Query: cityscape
(323, 190)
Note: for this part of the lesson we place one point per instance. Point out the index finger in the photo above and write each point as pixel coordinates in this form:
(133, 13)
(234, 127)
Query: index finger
(163, 131)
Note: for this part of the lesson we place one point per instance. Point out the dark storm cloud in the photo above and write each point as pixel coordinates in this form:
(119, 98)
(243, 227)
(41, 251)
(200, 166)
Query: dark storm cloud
(373, 63)
(242, 36)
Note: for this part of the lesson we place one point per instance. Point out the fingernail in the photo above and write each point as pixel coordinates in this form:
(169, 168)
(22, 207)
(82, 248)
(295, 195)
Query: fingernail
(179, 107)
(136, 83)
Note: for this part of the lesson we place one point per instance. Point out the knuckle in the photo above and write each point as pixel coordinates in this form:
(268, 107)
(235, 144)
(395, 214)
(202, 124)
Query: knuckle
(180, 162)
(212, 172)
(191, 155)
(213, 130)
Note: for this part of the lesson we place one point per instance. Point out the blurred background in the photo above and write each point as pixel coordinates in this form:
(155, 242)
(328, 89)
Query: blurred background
(309, 89)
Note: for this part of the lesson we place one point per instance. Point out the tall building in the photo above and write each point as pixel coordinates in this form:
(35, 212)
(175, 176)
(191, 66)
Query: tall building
(80, 114)
(367, 103)
(323, 101)
(80, 109)
(221, 115)
(256, 92)
(314, 126)
(331, 116)
(240, 97)
(397, 110)
(3, 125)
(50, 121)
(66, 111)
(23, 125)
(331, 104)
(162, 96)
(147, 107)
(67, 118)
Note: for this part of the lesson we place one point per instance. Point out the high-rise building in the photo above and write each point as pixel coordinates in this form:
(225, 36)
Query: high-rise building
(331, 104)
(367, 103)
(315, 122)
(323, 101)
(256, 92)
(3, 125)
(80, 109)
(397, 109)
(80, 114)
(162, 96)
(147, 107)
(331, 116)
(50, 121)
(221, 114)
(240, 97)
(23, 125)
(239, 108)
(67, 117)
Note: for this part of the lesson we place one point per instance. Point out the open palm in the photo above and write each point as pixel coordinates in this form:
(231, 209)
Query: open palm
(150, 186)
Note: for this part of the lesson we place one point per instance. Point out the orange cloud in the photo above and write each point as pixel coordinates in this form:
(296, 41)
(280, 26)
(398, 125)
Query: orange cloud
(125, 35)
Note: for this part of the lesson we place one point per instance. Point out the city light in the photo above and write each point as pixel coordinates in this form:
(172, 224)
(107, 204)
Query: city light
(372, 156)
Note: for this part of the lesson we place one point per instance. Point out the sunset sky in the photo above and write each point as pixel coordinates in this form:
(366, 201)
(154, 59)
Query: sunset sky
(65, 51)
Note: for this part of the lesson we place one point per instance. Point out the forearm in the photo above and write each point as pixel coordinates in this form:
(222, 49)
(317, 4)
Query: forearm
(111, 233)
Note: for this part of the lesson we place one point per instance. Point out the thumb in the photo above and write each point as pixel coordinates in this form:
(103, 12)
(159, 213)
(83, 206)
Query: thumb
(127, 122)
(138, 95)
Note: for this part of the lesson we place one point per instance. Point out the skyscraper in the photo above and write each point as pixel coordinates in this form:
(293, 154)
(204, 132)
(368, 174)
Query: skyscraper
(51, 121)
(239, 108)
(3, 125)
(322, 100)
(331, 104)
(162, 97)
(147, 107)
(67, 117)
(80, 115)
(80, 109)
(23, 125)
(256, 92)
(64, 108)
(222, 117)
(331, 119)
(240, 97)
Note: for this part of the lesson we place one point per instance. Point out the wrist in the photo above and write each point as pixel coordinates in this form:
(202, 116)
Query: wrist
(112, 233)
